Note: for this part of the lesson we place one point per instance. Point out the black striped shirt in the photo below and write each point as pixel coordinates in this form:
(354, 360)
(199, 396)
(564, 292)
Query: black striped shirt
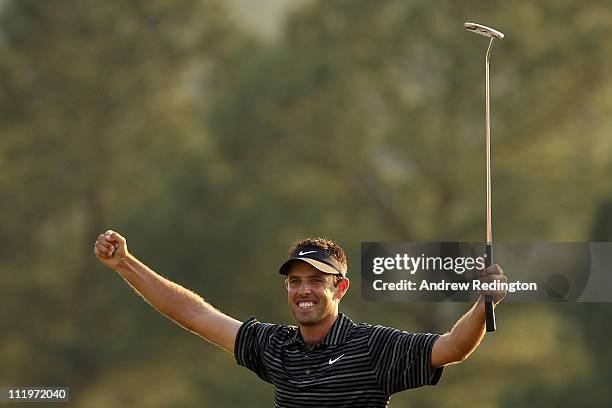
(356, 365)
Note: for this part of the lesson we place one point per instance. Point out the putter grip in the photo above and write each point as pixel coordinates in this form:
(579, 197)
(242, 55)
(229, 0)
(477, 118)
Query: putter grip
(489, 312)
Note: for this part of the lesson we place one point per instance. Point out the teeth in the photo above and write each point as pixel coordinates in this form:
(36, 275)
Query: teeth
(305, 305)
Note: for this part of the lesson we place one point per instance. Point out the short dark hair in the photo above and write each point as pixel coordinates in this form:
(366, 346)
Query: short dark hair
(325, 244)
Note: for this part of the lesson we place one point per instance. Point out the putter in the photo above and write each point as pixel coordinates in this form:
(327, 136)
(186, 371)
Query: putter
(492, 34)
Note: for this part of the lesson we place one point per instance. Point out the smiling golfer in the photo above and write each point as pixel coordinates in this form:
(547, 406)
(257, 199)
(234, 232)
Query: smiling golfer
(327, 361)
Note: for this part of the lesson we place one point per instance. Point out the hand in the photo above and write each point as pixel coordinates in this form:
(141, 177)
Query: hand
(493, 273)
(111, 249)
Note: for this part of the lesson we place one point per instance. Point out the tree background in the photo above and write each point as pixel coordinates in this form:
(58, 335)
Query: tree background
(214, 133)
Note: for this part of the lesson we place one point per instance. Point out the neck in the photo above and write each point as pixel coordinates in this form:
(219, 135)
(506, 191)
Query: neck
(313, 335)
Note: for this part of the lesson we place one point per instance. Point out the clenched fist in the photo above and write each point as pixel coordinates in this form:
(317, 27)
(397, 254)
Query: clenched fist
(110, 248)
(490, 279)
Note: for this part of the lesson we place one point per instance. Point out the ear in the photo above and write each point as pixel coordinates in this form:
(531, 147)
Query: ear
(343, 286)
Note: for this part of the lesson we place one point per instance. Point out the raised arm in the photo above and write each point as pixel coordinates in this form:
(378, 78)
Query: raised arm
(469, 330)
(172, 300)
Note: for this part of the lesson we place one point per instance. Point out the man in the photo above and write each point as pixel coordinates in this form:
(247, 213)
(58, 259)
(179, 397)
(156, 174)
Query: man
(327, 361)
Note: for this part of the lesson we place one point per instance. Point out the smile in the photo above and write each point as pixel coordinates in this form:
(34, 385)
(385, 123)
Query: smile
(305, 305)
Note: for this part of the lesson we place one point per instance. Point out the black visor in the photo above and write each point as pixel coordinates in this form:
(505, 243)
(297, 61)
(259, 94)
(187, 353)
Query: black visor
(317, 257)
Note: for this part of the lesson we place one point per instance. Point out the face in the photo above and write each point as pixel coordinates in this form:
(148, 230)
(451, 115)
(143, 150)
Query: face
(311, 294)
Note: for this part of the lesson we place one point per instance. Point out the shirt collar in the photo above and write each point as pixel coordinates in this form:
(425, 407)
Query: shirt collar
(336, 335)
(338, 331)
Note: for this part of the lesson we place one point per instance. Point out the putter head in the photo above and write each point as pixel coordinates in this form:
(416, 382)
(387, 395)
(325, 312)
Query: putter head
(483, 30)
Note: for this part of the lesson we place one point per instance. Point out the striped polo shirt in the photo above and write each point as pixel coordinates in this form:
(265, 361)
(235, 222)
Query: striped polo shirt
(356, 365)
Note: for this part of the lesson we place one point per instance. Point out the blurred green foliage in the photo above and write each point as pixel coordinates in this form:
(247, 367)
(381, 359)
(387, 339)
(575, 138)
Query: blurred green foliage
(212, 150)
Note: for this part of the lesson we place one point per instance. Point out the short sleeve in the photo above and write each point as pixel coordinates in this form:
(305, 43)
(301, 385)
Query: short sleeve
(403, 360)
(252, 339)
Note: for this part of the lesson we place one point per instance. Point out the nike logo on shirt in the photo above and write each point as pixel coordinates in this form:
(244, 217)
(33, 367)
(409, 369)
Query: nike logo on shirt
(335, 359)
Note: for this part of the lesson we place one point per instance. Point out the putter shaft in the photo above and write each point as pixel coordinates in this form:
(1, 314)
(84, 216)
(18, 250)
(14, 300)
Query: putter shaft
(489, 232)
